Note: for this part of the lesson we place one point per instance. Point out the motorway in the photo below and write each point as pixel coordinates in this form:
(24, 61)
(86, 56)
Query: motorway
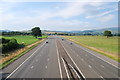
(59, 59)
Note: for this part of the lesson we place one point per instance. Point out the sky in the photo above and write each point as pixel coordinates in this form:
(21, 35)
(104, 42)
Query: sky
(59, 16)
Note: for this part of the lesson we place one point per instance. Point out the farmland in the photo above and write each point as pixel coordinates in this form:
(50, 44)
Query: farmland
(26, 39)
(108, 46)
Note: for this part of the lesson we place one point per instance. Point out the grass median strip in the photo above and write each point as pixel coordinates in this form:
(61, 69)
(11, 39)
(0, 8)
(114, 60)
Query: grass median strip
(27, 49)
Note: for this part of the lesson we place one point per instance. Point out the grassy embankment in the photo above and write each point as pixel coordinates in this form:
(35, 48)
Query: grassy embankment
(26, 39)
(29, 41)
(100, 44)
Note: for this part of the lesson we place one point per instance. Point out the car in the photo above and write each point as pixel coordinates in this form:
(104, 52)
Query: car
(62, 39)
(71, 43)
(46, 41)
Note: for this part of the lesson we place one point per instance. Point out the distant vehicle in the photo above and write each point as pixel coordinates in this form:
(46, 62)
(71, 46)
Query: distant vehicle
(71, 43)
(62, 39)
(46, 41)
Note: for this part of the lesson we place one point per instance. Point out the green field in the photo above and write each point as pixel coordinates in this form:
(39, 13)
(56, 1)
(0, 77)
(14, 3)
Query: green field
(26, 39)
(109, 45)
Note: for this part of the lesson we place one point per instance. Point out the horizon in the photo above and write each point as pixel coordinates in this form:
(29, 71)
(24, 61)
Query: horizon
(62, 30)
(59, 16)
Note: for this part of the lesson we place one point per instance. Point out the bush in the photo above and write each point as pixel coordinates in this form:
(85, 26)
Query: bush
(5, 48)
(3, 40)
(12, 44)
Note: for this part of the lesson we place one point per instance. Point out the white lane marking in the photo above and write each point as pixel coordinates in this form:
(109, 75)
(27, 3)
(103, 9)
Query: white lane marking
(40, 54)
(24, 62)
(77, 54)
(65, 68)
(59, 62)
(102, 66)
(99, 57)
(101, 77)
(73, 61)
(90, 66)
(32, 67)
(75, 71)
(46, 67)
(48, 59)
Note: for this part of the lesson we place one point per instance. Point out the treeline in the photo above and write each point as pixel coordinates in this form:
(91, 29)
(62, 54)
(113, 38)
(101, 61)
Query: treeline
(15, 33)
(85, 34)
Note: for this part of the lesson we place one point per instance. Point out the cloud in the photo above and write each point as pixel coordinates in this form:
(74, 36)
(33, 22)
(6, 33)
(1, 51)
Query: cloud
(60, 0)
(106, 18)
(101, 14)
(73, 9)
(64, 17)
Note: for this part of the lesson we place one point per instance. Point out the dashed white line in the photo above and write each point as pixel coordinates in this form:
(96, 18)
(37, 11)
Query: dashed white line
(90, 66)
(77, 54)
(102, 66)
(98, 57)
(48, 59)
(46, 67)
(73, 61)
(23, 62)
(59, 62)
(32, 67)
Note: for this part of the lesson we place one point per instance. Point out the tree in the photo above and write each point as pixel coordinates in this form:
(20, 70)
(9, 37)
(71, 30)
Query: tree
(107, 33)
(36, 32)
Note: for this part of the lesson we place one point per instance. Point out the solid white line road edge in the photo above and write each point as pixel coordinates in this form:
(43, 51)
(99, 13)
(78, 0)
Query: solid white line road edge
(59, 62)
(65, 68)
(88, 66)
(24, 62)
(93, 54)
(73, 61)
(74, 71)
(99, 57)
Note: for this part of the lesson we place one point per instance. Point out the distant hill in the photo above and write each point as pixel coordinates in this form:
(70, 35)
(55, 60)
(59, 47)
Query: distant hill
(92, 31)
(96, 31)
(5, 31)
(114, 30)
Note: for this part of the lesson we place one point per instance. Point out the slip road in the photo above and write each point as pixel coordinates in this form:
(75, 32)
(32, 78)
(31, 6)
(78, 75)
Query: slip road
(59, 59)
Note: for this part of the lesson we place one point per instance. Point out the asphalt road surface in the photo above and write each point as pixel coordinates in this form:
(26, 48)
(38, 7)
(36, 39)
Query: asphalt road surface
(62, 59)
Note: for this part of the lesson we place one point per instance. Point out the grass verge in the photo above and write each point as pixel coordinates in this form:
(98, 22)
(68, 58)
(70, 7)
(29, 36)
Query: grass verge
(94, 49)
(18, 56)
